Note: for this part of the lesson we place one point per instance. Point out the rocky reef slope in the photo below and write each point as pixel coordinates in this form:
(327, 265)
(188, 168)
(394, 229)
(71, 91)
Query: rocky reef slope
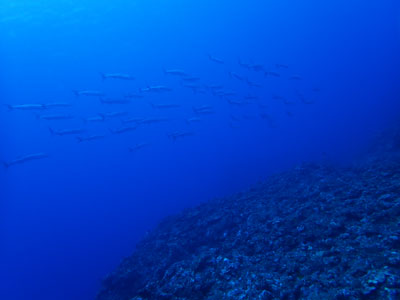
(314, 232)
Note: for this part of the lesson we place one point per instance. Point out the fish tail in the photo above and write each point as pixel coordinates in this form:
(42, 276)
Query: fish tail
(6, 165)
(9, 106)
(103, 76)
(52, 131)
(79, 139)
(76, 93)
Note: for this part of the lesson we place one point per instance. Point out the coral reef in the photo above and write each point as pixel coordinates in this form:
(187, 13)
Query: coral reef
(314, 232)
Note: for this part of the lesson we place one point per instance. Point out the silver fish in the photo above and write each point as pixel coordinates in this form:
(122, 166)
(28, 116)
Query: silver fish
(281, 66)
(215, 59)
(25, 158)
(179, 134)
(190, 79)
(117, 76)
(114, 101)
(176, 72)
(113, 114)
(57, 105)
(271, 73)
(123, 129)
(244, 65)
(98, 118)
(153, 120)
(203, 109)
(54, 117)
(91, 93)
(237, 102)
(89, 138)
(133, 96)
(257, 67)
(138, 146)
(25, 106)
(132, 120)
(165, 105)
(237, 76)
(295, 77)
(156, 89)
(253, 84)
(250, 97)
(66, 131)
(193, 120)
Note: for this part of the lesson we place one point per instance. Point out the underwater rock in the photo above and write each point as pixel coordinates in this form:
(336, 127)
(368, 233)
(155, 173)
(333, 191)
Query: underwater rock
(313, 232)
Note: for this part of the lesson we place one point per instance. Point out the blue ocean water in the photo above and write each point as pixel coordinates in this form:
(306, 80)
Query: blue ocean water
(266, 85)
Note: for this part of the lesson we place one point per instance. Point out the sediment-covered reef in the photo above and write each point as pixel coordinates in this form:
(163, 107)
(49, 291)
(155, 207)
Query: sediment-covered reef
(314, 232)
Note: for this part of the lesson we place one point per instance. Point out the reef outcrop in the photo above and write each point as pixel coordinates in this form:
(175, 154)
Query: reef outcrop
(313, 232)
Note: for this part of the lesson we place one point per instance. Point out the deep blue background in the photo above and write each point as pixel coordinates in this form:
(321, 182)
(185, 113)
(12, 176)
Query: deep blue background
(68, 220)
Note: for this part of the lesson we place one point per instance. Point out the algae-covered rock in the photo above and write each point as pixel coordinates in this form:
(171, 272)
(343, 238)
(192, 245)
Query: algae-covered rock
(313, 232)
